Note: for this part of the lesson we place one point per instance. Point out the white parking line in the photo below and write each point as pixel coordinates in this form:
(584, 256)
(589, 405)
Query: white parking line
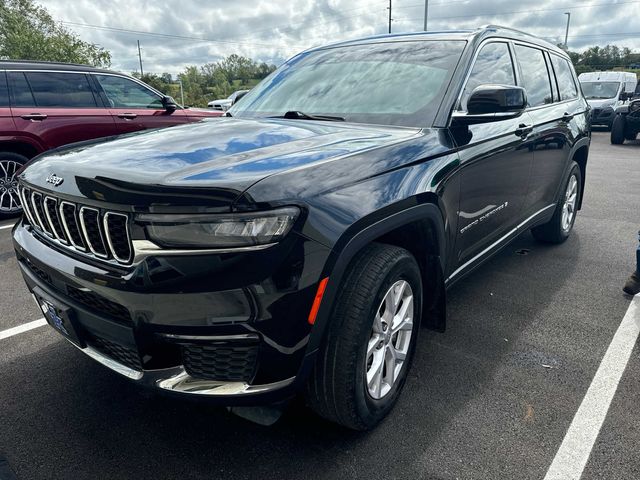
(578, 442)
(6, 226)
(22, 328)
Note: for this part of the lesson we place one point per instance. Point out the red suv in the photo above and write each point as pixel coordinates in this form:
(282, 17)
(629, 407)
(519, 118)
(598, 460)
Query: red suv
(45, 105)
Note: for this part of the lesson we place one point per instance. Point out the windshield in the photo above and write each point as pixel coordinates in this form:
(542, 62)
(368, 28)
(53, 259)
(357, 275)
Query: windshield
(600, 89)
(399, 83)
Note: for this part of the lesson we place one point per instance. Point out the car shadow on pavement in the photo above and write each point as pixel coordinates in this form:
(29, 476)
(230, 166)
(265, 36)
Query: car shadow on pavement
(77, 420)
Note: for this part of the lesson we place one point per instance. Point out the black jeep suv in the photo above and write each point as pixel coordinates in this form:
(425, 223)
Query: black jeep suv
(297, 244)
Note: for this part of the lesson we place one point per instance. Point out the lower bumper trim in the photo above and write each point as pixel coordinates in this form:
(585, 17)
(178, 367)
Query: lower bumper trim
(177, 380)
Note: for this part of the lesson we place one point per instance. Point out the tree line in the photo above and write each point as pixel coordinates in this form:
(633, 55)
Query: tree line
(211, 81)
(610, 57)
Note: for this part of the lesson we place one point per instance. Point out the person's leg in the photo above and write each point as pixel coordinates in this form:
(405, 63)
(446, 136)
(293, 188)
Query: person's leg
(632, 287)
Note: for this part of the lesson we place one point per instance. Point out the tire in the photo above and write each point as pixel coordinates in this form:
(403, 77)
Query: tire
(337, 389)
(10, 205)
(558, 229)
(617, 130)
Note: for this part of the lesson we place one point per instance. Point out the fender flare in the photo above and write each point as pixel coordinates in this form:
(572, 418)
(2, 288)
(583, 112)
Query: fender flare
(583, 142)
(427, 211)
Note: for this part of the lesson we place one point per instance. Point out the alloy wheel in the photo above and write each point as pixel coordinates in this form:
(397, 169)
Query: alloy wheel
(390, 339)
(9, 198)
(569, 206)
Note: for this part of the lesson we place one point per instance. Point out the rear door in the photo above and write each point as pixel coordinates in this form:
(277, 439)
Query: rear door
(57, 108)
(552, 125)
(7, 125)
(495, 159)
(135, 107)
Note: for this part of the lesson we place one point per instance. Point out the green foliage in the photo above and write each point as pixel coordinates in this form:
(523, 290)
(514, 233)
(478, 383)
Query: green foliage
(28, 32)
(210, 81)
(610, 57)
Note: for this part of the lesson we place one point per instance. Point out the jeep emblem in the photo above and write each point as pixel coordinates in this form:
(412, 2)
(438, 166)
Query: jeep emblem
(54, 179)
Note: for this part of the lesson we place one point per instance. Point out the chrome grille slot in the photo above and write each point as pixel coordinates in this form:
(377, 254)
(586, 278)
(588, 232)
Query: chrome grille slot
(38, 209)
(71, 226)
(115, 227)
(92, 230)
(24, 199)
(51, 211)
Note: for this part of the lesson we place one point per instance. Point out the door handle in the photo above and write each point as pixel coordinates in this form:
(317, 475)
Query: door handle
(34, 116)
(567, 117)
(523, 130)
(128, 116)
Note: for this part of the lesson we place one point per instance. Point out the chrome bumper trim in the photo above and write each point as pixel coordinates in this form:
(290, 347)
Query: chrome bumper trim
(112, 364)
(184, 383)
(146, 248)
(177, 380)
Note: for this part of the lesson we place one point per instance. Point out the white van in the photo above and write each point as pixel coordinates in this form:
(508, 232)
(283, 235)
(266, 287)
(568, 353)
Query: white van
(605, 91)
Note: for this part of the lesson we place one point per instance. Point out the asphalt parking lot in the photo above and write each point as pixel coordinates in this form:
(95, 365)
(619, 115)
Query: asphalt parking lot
(492, 398)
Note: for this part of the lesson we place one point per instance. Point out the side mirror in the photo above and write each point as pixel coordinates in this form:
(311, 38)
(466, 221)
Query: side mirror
(625, 96)
(238, 97)
(492, 103)
(169, 104)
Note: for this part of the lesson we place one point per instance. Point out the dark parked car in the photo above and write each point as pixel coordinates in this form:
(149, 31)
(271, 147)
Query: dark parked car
(298, 245)
(626, 124)
(45, 105)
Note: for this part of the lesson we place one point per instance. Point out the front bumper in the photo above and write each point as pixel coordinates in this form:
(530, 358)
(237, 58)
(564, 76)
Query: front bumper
(602, 116)
(238, 344)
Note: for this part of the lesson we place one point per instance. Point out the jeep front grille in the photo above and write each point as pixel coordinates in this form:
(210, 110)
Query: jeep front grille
(90, 231)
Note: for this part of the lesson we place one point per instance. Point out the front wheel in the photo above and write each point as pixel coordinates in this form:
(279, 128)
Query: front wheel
(10, 204)
(363, 364)
(617, 130)
(557, 229)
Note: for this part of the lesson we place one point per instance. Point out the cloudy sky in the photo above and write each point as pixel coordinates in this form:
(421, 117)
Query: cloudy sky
(177, 33)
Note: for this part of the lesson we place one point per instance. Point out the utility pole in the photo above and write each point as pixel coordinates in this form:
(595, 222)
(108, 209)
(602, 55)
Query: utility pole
(426, 13)
(566, 34)
(389, 16)
(140, 58)
(181, 91)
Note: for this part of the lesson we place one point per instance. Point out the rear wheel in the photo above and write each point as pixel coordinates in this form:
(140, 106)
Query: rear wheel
(557, 229)
(617, 130)
(10, 204)
(363, 364)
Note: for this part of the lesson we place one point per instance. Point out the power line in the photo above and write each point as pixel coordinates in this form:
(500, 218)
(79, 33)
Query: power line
(167, 35)
(499, 14)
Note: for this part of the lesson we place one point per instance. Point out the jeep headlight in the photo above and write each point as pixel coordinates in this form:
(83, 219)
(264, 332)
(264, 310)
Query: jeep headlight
(219, 230)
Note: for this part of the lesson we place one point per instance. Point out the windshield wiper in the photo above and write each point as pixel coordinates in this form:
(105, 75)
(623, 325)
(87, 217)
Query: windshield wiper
(298, 115)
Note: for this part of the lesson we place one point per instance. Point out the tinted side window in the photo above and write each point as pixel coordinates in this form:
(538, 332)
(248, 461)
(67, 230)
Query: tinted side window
(4, 91)
(566, 82)
(125, 93)
(70, 90)
(21, 95)
(492, 66)
(535, 77)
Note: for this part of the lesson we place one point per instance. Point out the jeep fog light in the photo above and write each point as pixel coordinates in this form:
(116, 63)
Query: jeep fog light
(218, 230)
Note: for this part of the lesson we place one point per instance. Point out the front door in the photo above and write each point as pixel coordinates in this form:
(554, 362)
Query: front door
(495, 163)
(135, 107)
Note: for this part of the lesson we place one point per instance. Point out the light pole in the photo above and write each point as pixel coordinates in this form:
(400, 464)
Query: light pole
(140, 58)
(426, 13)
(566, 34)
(389, 16)
(181, 91)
